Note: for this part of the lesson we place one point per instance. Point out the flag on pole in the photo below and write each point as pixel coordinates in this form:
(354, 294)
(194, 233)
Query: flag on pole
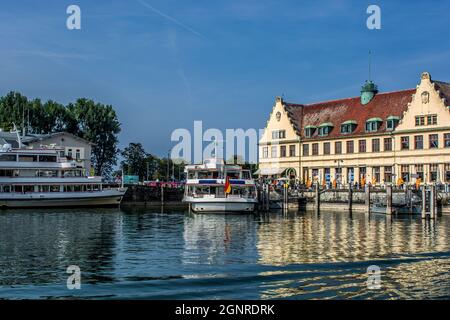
(227, 186)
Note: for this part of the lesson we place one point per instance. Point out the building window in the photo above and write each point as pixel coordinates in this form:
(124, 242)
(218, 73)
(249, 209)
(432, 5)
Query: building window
(388, 174)
(273, 152)
(306, 150)
(77, 154)
(324, 130)
(431, 119)
(387, 144)
(362, 146)
(283, 152)
(433, 172)
(418, 142)
(434, 143)
(420, 121)
(447, 140)
(405, 173)
(372, 125)
(447, 172)
(279, 134)
(265, 152)
(69, 153)
(376, 174)
(405, 143)
(338, 147)
(315, 149)
(309, 131)
(326, 148)
(419, 171)
(391, 123)
(350, 146)
(348, 127)
(292, 150)
(375, 145)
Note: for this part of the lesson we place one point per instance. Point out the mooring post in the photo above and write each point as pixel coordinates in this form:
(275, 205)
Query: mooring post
(317, 198)
(350, 197)
(389, 199)
(162, 194)
(267, 197)
(433, 202)
(367, 198)
(424, 202)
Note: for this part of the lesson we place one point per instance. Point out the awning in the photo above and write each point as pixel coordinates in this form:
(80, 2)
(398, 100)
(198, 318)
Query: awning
(326, 124)
(310, 127)
(349, 122)
(393, 118)
(375, 120)
(269, 171)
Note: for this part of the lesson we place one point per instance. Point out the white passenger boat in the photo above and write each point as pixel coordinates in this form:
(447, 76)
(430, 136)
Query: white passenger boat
(205, 188)
(44, 177)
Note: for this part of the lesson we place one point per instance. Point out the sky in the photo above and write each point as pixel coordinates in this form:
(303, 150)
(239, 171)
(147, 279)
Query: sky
(163, 63)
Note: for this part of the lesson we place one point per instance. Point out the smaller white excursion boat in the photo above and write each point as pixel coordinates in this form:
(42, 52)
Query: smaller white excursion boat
(206, 183)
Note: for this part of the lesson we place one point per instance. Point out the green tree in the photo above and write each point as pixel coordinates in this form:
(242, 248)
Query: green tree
(135, 160)
(98, 123)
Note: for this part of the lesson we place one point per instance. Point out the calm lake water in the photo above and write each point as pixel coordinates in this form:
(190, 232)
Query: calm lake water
(176, 255)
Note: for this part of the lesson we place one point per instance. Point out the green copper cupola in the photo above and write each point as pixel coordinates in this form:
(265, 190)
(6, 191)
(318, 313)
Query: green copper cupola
(368, 92)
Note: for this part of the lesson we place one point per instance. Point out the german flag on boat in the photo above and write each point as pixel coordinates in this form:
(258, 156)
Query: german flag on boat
(227, 186)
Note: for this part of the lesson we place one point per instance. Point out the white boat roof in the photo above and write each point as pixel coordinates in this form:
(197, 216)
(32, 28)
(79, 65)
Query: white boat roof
(213, 164)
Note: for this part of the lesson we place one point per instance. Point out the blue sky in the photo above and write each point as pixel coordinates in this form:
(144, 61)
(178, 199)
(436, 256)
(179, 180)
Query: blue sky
(164, 64)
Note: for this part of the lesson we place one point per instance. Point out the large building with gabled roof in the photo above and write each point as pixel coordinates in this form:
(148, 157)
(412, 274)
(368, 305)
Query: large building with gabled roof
(380, 137)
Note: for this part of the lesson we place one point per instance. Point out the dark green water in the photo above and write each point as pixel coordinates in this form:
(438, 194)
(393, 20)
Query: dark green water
(150, 255)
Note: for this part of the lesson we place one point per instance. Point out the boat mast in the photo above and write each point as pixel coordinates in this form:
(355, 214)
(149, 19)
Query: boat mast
(19, 140)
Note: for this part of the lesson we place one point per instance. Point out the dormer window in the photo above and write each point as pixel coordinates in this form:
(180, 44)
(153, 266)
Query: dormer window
(278, 134)
(309, 131)
(392, 122)
(325, 129)
(348, 126)
(373, 124)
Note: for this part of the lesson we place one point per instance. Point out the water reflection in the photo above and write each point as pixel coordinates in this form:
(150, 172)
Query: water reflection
(334, 237)
(37, 247)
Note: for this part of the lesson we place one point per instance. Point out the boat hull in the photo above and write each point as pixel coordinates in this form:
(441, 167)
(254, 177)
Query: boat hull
(107, 198)
(221, 205)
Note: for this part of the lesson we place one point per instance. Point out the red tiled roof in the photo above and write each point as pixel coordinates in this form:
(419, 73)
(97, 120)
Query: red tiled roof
(444, 89)
(382, 106)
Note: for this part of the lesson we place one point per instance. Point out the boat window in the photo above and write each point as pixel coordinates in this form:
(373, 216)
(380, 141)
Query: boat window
(28, 189)
(246, 174)
(6, 173)
(18, 189)
(6, 189)
(54, 188)
(48, 173)
(47, 158)
(8, 157)
(27, 158)
(233, 174)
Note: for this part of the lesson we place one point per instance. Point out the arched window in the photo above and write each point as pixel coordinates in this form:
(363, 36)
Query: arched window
(348, 126)
(373, 124)
(309, 131)
(391, 122)
(325, 129)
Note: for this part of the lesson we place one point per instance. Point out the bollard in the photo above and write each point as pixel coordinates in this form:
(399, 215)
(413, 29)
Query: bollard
(162, 194)
(367, 198)
(389, 199)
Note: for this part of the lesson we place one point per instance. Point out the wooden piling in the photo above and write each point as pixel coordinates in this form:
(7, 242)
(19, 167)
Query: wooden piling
(367, 198)
(389, 199)
(350, 197)
(317, 198)
(424, 203)
(162, 194)
(433, 202)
